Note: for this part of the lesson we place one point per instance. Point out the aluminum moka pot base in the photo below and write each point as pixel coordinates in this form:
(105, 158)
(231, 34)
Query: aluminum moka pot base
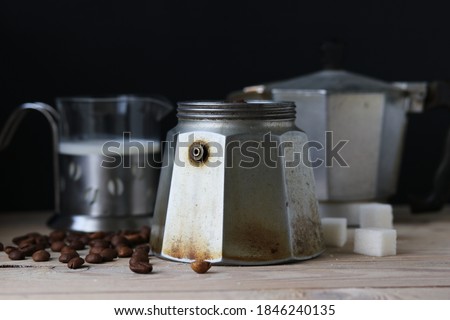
(209, 207)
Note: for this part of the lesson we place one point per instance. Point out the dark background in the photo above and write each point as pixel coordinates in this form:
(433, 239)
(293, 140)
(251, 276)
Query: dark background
(188, 50)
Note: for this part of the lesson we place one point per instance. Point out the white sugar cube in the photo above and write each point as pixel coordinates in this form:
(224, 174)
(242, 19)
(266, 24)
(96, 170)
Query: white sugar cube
(376, 215)
(376, 242)
(334, 231)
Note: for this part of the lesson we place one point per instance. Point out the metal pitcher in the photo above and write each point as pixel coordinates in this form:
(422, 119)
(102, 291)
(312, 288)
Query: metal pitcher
(106, 159)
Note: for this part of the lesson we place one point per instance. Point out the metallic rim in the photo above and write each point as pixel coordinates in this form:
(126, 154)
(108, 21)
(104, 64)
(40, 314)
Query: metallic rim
(242, 110)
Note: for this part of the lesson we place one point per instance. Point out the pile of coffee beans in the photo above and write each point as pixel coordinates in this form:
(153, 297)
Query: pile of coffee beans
(103, 247)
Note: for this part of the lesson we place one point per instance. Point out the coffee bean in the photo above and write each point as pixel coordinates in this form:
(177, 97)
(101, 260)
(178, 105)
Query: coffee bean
(42, 242)
(1, 246)
(19, 239)
(108, 254)
(100, 243)
(28, 249)
(26, 242)
(67, 249)
(109, 236)
(77, 244)
(143, 247)
(141, 267)
(118, 240)
(85, 239)
(128, 232)
(8, 249)
(200, 266)
(36, 245)
(97, 235)
(41, 246)
(16, 255)
(57, 246)
(75, 263)
(74, 235)
(135, 238)
(94, 258)
(140, 252)
(57, 235)
(124, 251)
(66, 257)
(41, 255)
(96, 250)
(139, 258)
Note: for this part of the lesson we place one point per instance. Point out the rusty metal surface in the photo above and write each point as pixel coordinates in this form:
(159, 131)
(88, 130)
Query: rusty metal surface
(229, 214)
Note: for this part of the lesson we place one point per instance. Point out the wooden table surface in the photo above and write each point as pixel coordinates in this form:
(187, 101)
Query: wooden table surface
(420, 270)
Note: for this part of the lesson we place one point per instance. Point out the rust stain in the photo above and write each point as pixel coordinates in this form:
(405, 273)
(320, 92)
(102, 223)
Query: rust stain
(194, 249)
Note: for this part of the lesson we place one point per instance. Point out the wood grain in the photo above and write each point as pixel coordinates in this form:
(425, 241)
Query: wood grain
(420, 270)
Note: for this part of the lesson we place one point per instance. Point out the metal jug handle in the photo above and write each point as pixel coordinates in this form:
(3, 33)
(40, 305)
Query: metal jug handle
(52, 117)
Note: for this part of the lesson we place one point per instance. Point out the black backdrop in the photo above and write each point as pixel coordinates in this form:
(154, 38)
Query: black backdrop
(203, 50)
